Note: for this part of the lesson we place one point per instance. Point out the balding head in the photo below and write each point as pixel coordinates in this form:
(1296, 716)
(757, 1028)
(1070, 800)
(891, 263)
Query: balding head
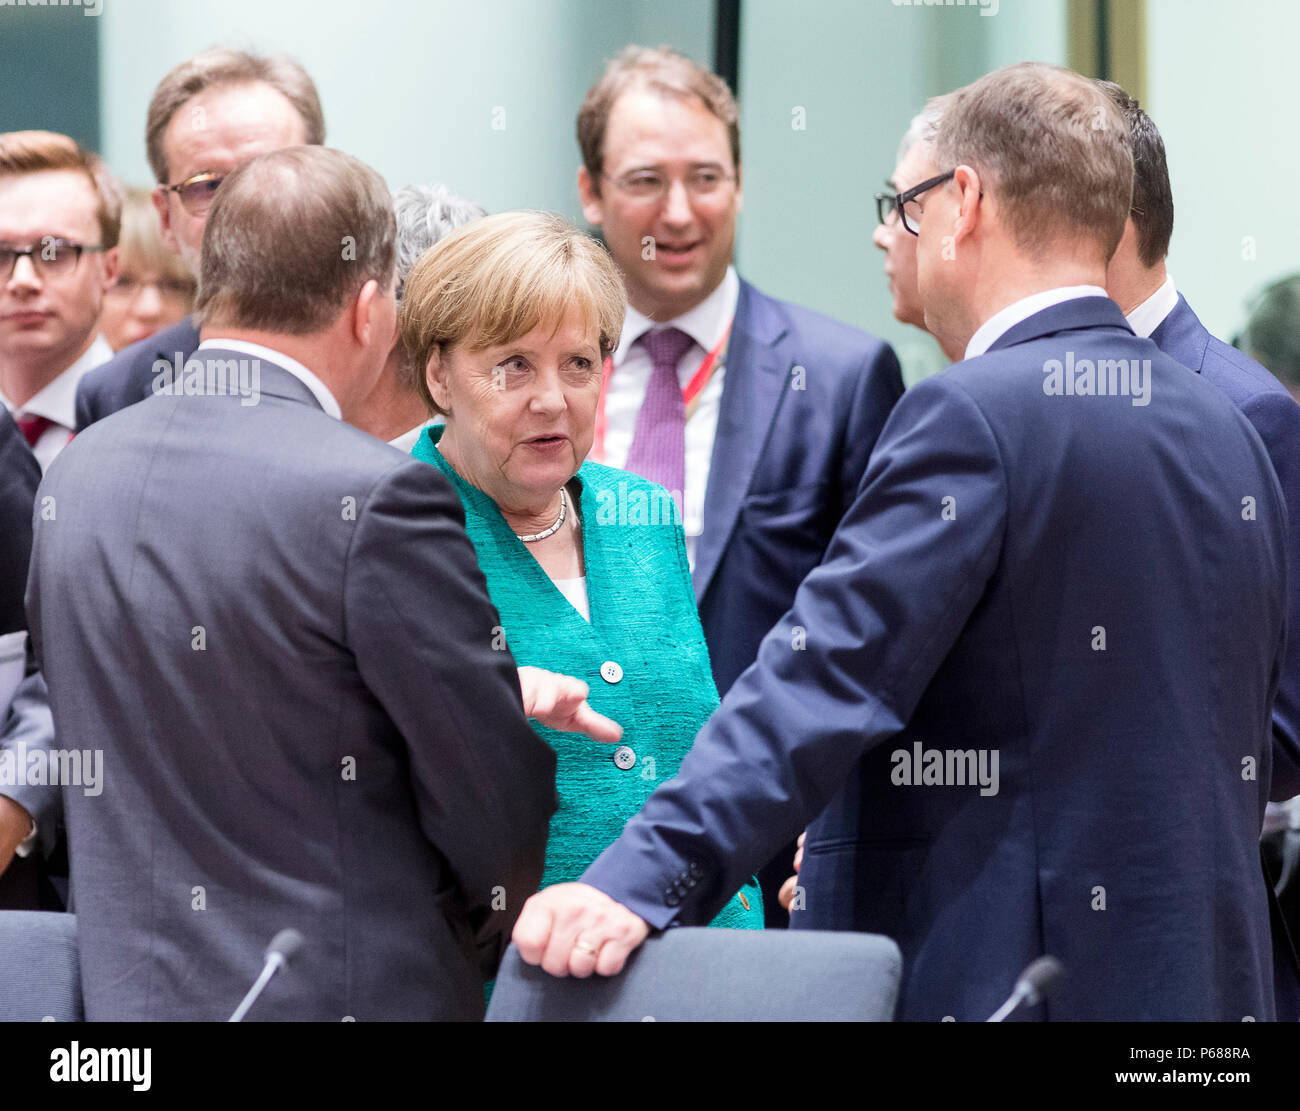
(291, 238)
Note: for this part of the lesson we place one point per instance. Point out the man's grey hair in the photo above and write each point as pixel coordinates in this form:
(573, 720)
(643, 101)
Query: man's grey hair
(923, 128)
(426, 213)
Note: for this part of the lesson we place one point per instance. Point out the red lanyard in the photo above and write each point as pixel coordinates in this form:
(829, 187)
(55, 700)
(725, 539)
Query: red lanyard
(690, 394)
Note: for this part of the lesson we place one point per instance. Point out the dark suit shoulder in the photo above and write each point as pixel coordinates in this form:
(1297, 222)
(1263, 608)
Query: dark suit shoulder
(1239, 376)
(128, 376)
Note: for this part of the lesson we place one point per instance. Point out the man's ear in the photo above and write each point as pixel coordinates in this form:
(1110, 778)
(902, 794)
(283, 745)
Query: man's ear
(366, 317)
(593, 210)
(740, 192)
(971, 209)
(110, 261)
(435, 377)
(159, 198)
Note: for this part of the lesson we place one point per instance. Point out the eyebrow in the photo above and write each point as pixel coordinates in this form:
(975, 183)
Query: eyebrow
(658, 168)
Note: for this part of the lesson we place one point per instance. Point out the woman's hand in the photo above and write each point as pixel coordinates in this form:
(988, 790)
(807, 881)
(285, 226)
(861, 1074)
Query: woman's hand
(786, 895)
(560, 702)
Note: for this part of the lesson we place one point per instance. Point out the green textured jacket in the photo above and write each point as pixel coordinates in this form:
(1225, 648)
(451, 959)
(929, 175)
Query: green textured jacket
(642, 655)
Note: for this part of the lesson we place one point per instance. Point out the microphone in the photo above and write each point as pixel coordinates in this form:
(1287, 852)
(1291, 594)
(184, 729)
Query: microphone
(278, 954)
(1034, 985)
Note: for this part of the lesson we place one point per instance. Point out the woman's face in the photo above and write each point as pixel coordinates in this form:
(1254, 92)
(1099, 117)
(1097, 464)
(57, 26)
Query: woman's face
(141, 303)
(520, 417)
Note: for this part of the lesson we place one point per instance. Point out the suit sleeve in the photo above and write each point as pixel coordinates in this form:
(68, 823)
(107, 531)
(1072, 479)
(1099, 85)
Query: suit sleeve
(19, 477)
(27, 720)
(878, 386)
(1276, 417)
(422, 627)
(839, 674)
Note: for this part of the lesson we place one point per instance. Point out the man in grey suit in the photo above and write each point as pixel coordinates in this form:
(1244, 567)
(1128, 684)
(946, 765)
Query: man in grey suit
(275, 629)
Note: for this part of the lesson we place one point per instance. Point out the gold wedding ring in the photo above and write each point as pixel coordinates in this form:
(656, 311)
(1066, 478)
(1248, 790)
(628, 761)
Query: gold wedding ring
(587, 947)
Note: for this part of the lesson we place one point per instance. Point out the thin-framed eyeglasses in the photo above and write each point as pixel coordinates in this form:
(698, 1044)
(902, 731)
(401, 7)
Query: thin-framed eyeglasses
(651, 186)
(196, 192)
(51, 258)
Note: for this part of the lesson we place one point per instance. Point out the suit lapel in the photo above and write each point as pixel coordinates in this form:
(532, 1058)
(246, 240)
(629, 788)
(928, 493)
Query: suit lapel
(1182, 336)
(756, 371)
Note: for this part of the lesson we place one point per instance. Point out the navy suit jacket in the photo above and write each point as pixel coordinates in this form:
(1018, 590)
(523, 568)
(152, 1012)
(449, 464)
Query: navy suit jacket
(128, 376)
(803, 402)
(1072, 583)
(19, 476)
(1276, 417)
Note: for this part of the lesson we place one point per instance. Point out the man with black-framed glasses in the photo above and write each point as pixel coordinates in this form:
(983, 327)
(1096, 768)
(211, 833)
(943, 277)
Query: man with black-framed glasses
(1031, 715)
(59, 220)
(207, 117)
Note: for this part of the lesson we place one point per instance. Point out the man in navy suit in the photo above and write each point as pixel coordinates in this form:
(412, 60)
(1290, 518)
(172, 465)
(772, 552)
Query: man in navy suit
(757, 414)
(29, 813)
(1059, 597)
(1140, 284)
(207, 116)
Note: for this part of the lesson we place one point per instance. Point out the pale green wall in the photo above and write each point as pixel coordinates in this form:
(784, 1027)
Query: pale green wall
(410, 87)
(1222, 90)
(861, 69)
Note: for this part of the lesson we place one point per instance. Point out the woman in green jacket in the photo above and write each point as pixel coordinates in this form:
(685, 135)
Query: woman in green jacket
(508, 323)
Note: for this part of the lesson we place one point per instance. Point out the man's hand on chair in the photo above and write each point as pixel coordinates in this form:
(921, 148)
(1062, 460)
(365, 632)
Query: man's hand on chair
(572, 929)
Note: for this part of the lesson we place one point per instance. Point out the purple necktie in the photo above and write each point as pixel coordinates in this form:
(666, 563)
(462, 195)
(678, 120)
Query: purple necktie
(659, 442)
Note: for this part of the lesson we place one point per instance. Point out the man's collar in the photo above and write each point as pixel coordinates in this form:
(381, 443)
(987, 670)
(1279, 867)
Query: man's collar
(705, 323)
(56, 401)
(1003, 320)
(1149, 315)
(278, 358)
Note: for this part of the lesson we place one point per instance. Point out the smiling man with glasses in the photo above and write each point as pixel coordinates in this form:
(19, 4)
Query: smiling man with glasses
(59, 220)
(207, 117)
(757, 415)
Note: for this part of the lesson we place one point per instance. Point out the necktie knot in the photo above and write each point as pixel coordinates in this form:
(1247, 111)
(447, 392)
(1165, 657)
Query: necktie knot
(667, 347)
(33, 428)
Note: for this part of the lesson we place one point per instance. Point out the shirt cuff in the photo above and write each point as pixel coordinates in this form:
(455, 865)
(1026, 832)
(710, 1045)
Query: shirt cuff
(28, 843)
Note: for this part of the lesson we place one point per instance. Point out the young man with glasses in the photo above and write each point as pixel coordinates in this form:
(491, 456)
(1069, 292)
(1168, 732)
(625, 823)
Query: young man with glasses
(208, 116)
(59, 218)
(757, 415)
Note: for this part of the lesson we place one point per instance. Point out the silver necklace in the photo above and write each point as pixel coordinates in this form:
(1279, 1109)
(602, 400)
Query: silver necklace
(559, 521)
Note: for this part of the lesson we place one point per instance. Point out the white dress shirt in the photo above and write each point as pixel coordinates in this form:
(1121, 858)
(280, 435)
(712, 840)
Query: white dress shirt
(407, 440)
(575, 590)
(57, 402)
(1149, 315)
(705, 324)
(1004, 320)
(319, 390)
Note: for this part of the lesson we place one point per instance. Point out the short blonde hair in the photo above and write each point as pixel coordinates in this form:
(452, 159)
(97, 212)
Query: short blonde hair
(499, 277)
(35, 152)
(141, 246)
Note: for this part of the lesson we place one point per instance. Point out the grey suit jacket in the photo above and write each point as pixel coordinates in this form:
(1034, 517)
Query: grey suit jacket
(274, 628)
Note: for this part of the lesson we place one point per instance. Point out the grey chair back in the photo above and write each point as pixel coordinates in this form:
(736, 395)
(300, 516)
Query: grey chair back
(715, 975)
(40, 978)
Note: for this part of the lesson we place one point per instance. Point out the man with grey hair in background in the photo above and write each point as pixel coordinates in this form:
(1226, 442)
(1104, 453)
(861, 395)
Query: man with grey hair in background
(890, 235)
(394, 411)
(274, 628)
(207, 116)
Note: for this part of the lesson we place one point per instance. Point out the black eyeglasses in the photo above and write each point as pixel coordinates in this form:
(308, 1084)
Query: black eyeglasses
(885, 206)
(905, 203)
(51, 257)
(196, 192)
